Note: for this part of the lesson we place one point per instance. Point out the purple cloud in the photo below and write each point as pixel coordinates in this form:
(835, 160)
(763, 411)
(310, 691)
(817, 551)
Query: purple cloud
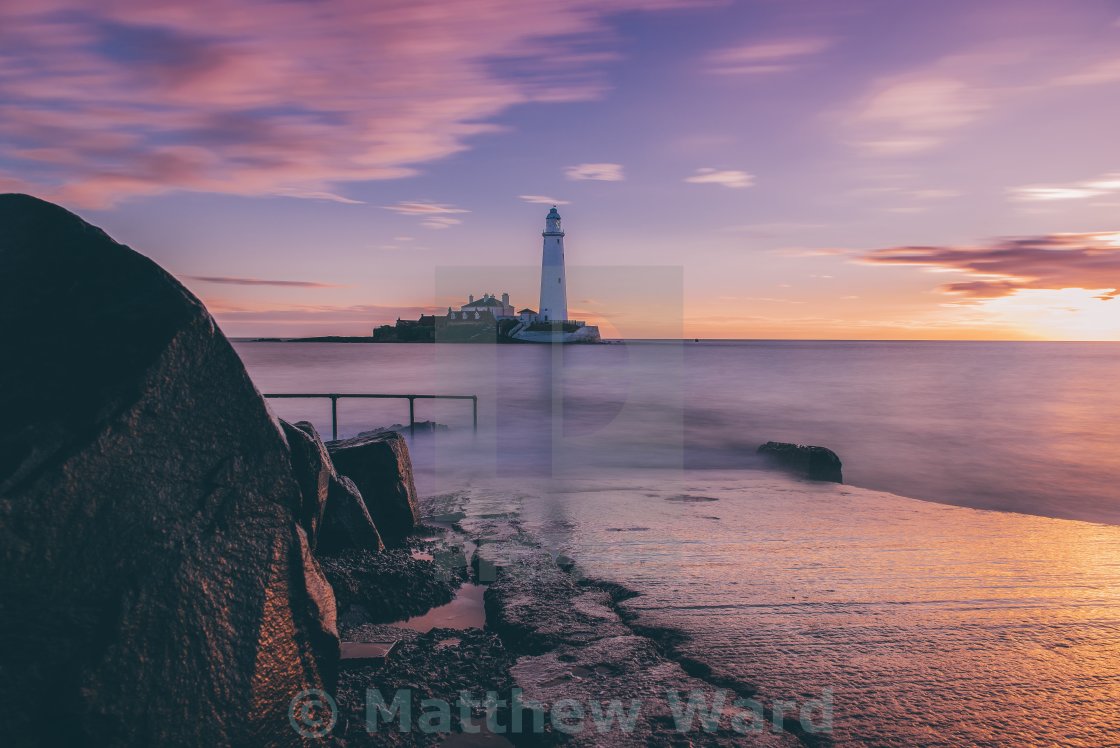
(259, 282)
(99, 103)
(1005, 267)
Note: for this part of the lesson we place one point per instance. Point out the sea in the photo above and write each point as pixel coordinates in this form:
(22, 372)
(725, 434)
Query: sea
(962, 587)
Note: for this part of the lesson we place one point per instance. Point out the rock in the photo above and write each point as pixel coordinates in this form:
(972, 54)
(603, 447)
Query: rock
(346, 521)
(420, 427)
(441, 664)
(389, 586)
(815, 463)
(536, 607)
(155, 587)
(332, 511)
(380, 467)
(320, 600)
(312, 469)
(577, 641)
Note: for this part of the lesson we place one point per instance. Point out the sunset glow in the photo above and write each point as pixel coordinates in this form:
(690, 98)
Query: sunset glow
(815, 169)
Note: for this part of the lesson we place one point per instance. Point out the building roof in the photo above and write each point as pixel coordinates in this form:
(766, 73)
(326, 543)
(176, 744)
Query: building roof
(526, 310)
(485, 301)
(553, 213)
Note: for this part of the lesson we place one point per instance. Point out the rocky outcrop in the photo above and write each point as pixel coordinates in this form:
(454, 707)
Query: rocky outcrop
(380, 467)
(156, 586)
(441, 664)
(385, 587)
(814, 463)
(317, 594)
(332, 511)
(312, 469)
(536, 607)
(346, 521)
(574, 642)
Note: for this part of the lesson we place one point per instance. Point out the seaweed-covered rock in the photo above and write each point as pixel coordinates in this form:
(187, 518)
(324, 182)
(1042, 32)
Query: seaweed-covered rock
(155, 587)
(380, 467)
(815, 463)
(346, 521)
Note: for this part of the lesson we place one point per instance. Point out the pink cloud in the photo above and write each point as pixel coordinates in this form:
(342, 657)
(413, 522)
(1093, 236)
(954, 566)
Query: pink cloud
(765, 57)
(1003, 268)
(99, 103)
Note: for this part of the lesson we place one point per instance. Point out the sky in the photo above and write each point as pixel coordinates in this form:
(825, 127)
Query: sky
(866, 169)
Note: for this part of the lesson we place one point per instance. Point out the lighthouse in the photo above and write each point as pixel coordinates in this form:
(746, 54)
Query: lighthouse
(554, 286)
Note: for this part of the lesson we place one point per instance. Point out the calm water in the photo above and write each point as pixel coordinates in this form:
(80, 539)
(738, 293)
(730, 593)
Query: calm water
(932, 624)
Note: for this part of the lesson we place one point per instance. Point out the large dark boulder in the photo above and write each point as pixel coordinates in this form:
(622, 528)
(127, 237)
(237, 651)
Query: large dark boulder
(312, 469)
(380, 467)
(346, 521)
(154, 585)
(815, 463)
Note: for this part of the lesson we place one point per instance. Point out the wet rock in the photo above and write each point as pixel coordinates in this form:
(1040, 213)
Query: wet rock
(420, 427)
(320, 600)
(575, 644)
(441, 664)
(380, 467)
(630, 670)
(536, 606)
(312, 469)
(815, 463)
(346, 521)
(155, 589)
(388, 586)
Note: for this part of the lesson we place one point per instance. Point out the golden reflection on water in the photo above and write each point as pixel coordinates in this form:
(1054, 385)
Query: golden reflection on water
(932, 624)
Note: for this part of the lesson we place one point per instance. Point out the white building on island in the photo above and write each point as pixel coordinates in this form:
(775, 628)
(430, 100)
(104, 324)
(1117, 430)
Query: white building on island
(551, 323)
(500, 309)
(554, 284)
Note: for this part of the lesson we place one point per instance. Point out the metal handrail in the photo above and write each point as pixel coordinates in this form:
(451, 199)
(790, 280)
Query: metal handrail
(336, 396)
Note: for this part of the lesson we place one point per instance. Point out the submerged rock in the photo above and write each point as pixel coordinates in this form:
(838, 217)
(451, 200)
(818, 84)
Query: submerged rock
(420, 427)
(346, 521)
(380, 467)
(156, 588)
(815, 463)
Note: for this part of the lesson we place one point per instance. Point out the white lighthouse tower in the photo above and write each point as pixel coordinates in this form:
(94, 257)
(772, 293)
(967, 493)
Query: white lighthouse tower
(554, 286)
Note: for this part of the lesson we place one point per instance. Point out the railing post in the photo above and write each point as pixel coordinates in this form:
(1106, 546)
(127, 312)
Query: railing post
(412, 417)
(334, 417)
(474, 409)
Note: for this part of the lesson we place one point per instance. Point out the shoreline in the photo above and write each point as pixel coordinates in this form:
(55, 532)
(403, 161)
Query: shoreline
(551, 637)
